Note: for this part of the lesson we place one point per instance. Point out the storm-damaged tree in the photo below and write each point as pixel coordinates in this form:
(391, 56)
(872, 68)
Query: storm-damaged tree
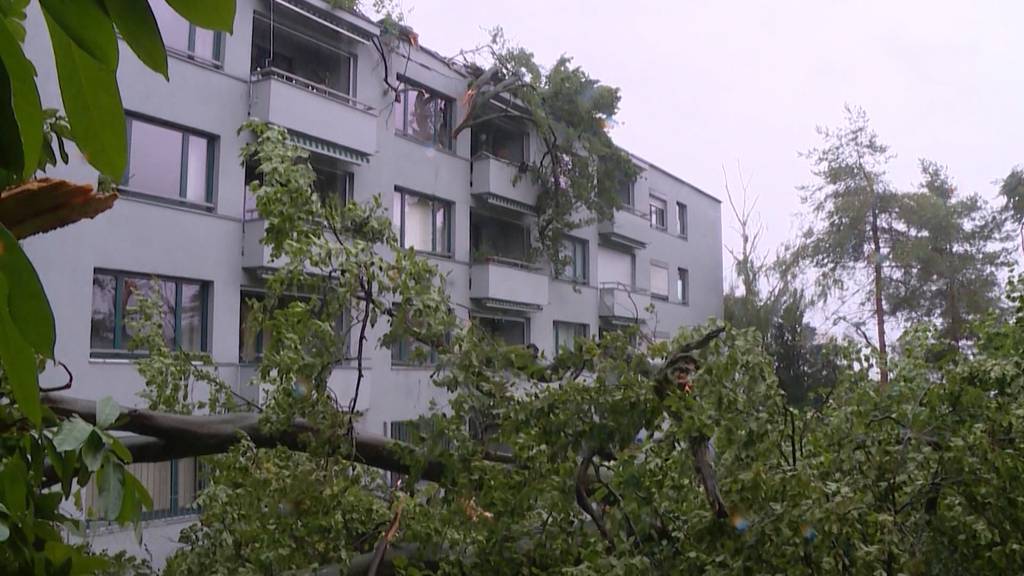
(853, 209)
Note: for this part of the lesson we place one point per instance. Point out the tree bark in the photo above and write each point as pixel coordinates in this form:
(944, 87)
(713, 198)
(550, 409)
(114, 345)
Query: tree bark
(883, 355)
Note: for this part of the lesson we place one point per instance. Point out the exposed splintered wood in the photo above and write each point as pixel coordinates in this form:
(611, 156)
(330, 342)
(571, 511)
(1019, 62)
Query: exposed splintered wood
(46, 204)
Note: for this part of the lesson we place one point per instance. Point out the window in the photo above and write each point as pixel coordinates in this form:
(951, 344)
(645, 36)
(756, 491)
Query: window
(615, 267)
(577, 267)
(183, 306)
(510, 331)
(422, 223)
(683, 286)
(658, 212)
(411, 352)
(302, 58)
(681, 224)
(496, 237)
(333, 182)
(566, 334)
(181, 36)
(254, 339)
(425, 116)
(659, 281)
(501, 139)
(625, 193)
(169, 162)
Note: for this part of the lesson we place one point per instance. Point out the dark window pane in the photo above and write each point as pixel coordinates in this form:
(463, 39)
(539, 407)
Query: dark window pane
(331, 179)
(196, 184)
(443, 125)
(419, 120)
(103, 317)
(248, 332)
(155, 160)
(162, 290)
(192, 316)
(260, 57)
(506, 330)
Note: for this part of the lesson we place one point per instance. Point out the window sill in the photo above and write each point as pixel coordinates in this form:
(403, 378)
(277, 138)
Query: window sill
(193, 59)
(411, 367)
(662, 298)
(207, 207)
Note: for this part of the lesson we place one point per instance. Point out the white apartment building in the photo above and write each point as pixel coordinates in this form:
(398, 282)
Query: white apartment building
(185, 218)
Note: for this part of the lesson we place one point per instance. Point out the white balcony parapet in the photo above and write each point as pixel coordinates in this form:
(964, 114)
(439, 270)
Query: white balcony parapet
(628, 228)
(299, 105)
(502, 183)
(511, 285)
(622, 302)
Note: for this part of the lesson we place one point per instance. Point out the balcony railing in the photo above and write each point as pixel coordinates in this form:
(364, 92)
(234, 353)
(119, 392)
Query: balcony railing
(311, 86)
(621, 300)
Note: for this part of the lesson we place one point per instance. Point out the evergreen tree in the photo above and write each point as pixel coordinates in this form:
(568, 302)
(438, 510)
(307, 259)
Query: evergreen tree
(945, 268)
(855, 208)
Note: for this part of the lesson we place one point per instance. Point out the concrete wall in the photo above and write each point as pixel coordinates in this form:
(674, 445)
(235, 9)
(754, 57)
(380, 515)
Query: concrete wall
(152, 237)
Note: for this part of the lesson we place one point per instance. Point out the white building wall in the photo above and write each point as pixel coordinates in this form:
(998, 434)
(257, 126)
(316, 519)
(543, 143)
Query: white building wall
(154, 237)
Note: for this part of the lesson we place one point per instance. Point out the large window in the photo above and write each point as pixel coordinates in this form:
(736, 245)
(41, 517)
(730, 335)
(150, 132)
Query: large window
(496, 237)
(566, 334)
(510, 331)
(658, 213)
(411, 352)
(425, 116)
(615, 267)
(169, 162)
(659, 281)
(681, 223)
(683, 286)
(183, 306)
(423, 223)
(181, 36)
(303, 58)
(333, 182)
(577, 267)
(501, 139)
(255, 338)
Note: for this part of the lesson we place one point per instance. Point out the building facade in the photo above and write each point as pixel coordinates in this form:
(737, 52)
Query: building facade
(186, 222)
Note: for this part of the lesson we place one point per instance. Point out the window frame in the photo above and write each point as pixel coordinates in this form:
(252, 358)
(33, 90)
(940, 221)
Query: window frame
(212, 143)
(683, 285)
(663, 210)
(682, 220)
(259, 337)
(574, 326)
(435, 202)
(120, 345)
(584, 245)
(189, 53)
(401, 126)
(525, 322)
(659, 295)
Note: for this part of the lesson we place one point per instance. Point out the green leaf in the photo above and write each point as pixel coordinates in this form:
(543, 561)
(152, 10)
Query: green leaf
(111, 489)
(138, 27)
(212, 14)
(87, 24)
(21, 114)
(93, 104)
(93, 451)
(107, 411)
(14, 481)
(118, 448)
(18, 360)
(72, 434)
(30, 309)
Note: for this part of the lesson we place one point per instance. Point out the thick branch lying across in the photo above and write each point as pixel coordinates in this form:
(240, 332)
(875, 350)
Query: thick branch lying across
(164, 436)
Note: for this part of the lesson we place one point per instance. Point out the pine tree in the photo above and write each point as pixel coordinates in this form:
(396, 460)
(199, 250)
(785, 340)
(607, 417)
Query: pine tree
(945, 268)
(855, 208)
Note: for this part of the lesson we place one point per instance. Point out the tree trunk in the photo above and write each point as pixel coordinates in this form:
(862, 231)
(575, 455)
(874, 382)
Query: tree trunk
(883, 355)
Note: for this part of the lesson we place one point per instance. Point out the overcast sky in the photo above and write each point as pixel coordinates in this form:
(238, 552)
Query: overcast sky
(709, 83)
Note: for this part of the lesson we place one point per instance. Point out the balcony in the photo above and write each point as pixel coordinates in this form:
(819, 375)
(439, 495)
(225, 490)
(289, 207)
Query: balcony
(291, 102)
(499, 182)
(628, 228)
(623, 303)
(507, 284)
(256, 256)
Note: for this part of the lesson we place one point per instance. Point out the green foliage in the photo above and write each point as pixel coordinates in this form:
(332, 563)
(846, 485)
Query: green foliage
(171, 375)
(580, 169)
(86, 55)
(946, 266)
(271, 511)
